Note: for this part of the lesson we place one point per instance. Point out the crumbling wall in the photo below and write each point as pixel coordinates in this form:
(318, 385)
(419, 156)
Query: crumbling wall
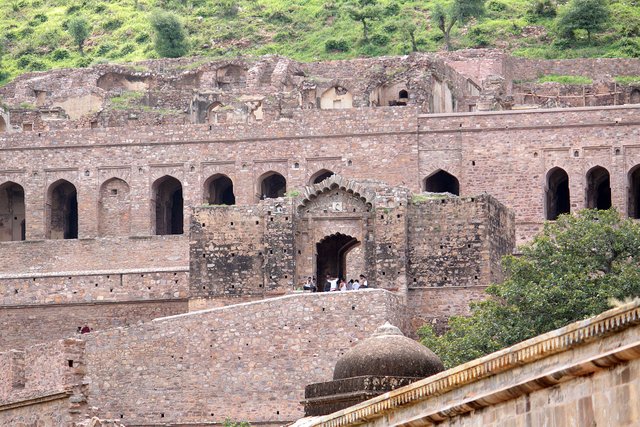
(242, 251)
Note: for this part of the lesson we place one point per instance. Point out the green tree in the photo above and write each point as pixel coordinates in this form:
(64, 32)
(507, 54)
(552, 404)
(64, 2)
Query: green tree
(79, 29)
(364, 12)
(408, 21)
(589, 15)
(569, 272)
(446, 14)
(170, 38)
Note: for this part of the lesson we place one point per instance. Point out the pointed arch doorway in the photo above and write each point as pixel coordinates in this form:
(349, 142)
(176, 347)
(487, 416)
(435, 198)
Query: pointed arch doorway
(331, 257)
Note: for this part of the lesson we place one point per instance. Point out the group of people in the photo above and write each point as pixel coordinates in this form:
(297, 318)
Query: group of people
(336, 284)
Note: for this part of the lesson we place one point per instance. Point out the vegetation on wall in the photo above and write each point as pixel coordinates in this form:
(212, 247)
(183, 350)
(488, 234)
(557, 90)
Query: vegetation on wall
(571, 271)
(42, 34)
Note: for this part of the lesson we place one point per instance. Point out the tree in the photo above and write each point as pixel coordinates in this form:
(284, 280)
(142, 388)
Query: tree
(408, 22)
(364, 11)
(589, 15)
(569, 272)
(447, 14)
(79, 29)
(170, 39)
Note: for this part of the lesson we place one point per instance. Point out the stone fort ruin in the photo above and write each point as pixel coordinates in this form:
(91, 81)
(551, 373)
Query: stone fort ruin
(175, 206)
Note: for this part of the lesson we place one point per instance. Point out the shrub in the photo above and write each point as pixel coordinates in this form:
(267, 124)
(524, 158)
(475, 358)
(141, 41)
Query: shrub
(333, 45)
(170, 39)
(379, 39)
(60, 54)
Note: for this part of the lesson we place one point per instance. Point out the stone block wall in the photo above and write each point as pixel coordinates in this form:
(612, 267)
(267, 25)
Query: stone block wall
(74, 257)
(457, 241)
(509, 154)
(26, 325)
(248, 361)
(242, 251)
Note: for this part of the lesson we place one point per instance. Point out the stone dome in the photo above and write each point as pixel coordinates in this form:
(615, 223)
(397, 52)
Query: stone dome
(388, 353)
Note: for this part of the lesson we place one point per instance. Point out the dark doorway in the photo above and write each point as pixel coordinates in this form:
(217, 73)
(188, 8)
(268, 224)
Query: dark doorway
(634, 98)
(12, 212)
(442, 182)
(558, 200)
(598, 188)
(272, 186)
(332, 257)
(320, 176)
(634, 193)
(62, 207)
(168, 206)
(220, 191)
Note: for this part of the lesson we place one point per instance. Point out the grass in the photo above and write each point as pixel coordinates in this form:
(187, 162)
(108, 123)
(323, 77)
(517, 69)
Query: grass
(627, 80)
(566, 80)
(34, 35)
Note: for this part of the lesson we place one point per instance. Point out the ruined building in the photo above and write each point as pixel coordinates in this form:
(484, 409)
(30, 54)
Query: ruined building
(174, 207)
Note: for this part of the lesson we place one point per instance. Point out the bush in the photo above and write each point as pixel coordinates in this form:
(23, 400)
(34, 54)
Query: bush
(112, 24)
(170, 39)
(333, 45)
(379, 39)
(60, 54)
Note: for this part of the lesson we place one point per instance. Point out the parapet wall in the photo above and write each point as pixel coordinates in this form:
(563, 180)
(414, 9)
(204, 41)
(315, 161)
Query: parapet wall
(84, 257)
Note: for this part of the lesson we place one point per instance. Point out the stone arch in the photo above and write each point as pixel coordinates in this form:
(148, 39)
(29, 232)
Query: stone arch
(633, 207)
(12, 212)
(167, 206)
(114, 208)
(62, 210)
(215, 113)
(331, 257)
(336, 182)
(557, 196)
(272, 185)
(3, 124)
(336, 98)
(598, 192)
(634, 96)
(218, 190)
(441, 182)
(320, 176)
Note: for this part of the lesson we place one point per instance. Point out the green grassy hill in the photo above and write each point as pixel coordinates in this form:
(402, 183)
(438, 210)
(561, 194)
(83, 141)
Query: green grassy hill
(35, 37)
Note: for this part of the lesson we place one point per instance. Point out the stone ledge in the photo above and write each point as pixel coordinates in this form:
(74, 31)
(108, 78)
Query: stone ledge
(35, 400)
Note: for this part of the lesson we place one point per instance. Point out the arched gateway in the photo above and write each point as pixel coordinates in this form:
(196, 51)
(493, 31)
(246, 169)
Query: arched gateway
(335, 215)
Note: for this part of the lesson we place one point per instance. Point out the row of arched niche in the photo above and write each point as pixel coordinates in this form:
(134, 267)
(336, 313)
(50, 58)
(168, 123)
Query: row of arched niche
(557, 190)
(167, 202)
(114, 205)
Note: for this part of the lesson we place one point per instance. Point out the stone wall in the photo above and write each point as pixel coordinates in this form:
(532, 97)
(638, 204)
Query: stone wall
(34, 258)
(248, 361)
(242, 251)
(26, 325)
(509, 154)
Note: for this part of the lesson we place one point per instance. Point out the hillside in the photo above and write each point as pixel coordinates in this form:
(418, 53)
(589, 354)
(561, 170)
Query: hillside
(35, 32)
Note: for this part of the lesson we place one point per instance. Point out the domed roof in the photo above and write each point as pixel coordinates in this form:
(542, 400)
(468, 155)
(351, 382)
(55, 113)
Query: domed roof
(388, 353)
